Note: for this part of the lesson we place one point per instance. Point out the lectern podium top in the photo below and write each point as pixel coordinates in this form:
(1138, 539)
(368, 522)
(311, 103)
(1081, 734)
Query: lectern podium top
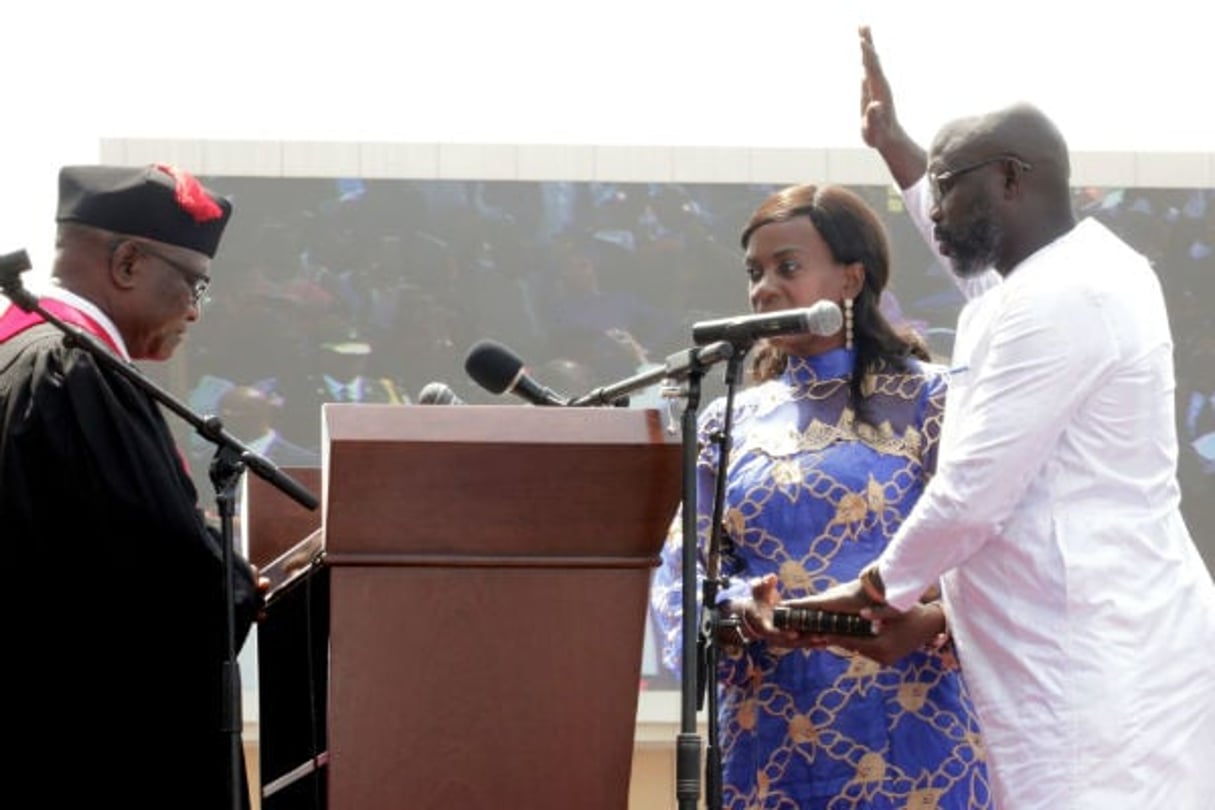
(511, 424)
(470, 479)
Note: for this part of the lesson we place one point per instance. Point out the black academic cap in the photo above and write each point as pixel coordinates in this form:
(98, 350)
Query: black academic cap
(158, 202)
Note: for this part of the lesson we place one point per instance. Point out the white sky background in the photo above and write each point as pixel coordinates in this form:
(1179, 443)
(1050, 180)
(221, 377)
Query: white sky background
(1115, 76)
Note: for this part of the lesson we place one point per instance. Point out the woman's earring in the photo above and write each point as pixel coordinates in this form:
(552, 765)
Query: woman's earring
(847, 323)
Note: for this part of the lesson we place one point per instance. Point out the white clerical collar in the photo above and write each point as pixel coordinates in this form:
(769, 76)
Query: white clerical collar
(86, 306)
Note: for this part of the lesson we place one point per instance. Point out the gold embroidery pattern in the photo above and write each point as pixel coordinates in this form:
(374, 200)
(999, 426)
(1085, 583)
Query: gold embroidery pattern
(818, 435)
(785, 471)
(816, 734)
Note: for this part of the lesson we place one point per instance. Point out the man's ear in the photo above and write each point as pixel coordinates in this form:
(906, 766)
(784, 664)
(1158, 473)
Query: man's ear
(122, 265)
(1013, 171)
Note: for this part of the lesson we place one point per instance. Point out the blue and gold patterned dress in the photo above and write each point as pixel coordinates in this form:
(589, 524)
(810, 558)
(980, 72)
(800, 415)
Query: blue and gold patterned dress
(813, 494)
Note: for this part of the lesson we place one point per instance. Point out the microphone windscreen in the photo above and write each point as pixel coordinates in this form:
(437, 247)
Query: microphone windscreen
(825, 318)
(492, 366)
(437, 393)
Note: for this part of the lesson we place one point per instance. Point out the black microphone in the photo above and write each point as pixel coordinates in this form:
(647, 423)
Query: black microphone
(438, 393)
(821, 318)
(500, 371)
(809, 620)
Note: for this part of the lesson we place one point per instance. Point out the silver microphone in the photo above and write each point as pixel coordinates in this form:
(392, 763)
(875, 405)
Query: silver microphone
(438, 393)
(821, 318)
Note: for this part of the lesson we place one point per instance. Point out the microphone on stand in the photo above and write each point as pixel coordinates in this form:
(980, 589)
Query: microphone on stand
(500, 371)
(821, 318)
(438, 393)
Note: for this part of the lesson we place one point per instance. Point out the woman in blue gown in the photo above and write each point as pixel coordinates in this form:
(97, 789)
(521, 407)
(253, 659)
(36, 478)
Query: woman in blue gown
(830, 447)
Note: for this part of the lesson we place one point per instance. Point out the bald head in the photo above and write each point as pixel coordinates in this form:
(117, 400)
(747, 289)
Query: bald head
(1009, 173)
(1021, 130)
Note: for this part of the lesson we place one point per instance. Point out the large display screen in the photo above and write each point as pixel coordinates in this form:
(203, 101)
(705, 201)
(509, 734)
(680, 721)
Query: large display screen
(369, 290)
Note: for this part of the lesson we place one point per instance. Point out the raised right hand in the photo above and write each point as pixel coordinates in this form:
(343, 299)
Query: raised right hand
(879, 123)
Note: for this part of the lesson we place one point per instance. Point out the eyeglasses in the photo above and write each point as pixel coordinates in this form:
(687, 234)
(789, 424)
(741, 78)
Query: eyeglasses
(942, 182)
(199, 282)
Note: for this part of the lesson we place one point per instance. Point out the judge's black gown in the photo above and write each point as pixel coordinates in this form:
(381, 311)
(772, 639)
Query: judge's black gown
(115, 603)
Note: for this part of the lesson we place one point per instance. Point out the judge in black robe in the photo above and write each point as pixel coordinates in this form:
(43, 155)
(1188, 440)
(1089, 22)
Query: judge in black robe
(116, 604)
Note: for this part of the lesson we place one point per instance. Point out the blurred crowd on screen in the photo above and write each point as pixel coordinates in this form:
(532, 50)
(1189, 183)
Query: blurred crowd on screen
(366, 290)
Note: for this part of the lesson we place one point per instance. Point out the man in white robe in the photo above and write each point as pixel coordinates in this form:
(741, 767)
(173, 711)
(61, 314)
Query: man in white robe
(1083, 615)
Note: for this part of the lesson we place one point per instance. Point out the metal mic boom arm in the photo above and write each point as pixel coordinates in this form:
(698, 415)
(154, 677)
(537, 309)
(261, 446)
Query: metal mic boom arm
(678, 366)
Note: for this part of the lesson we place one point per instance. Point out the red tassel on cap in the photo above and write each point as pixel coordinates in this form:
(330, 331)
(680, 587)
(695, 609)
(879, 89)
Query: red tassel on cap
(191, 196)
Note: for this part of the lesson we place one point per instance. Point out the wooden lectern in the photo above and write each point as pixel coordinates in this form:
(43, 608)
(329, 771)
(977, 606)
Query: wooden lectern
(485, 571)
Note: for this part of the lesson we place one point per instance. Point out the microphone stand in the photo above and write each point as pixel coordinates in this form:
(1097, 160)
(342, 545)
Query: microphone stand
(688, 365)
(232, 457)
(714, 625)
(687, 748)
